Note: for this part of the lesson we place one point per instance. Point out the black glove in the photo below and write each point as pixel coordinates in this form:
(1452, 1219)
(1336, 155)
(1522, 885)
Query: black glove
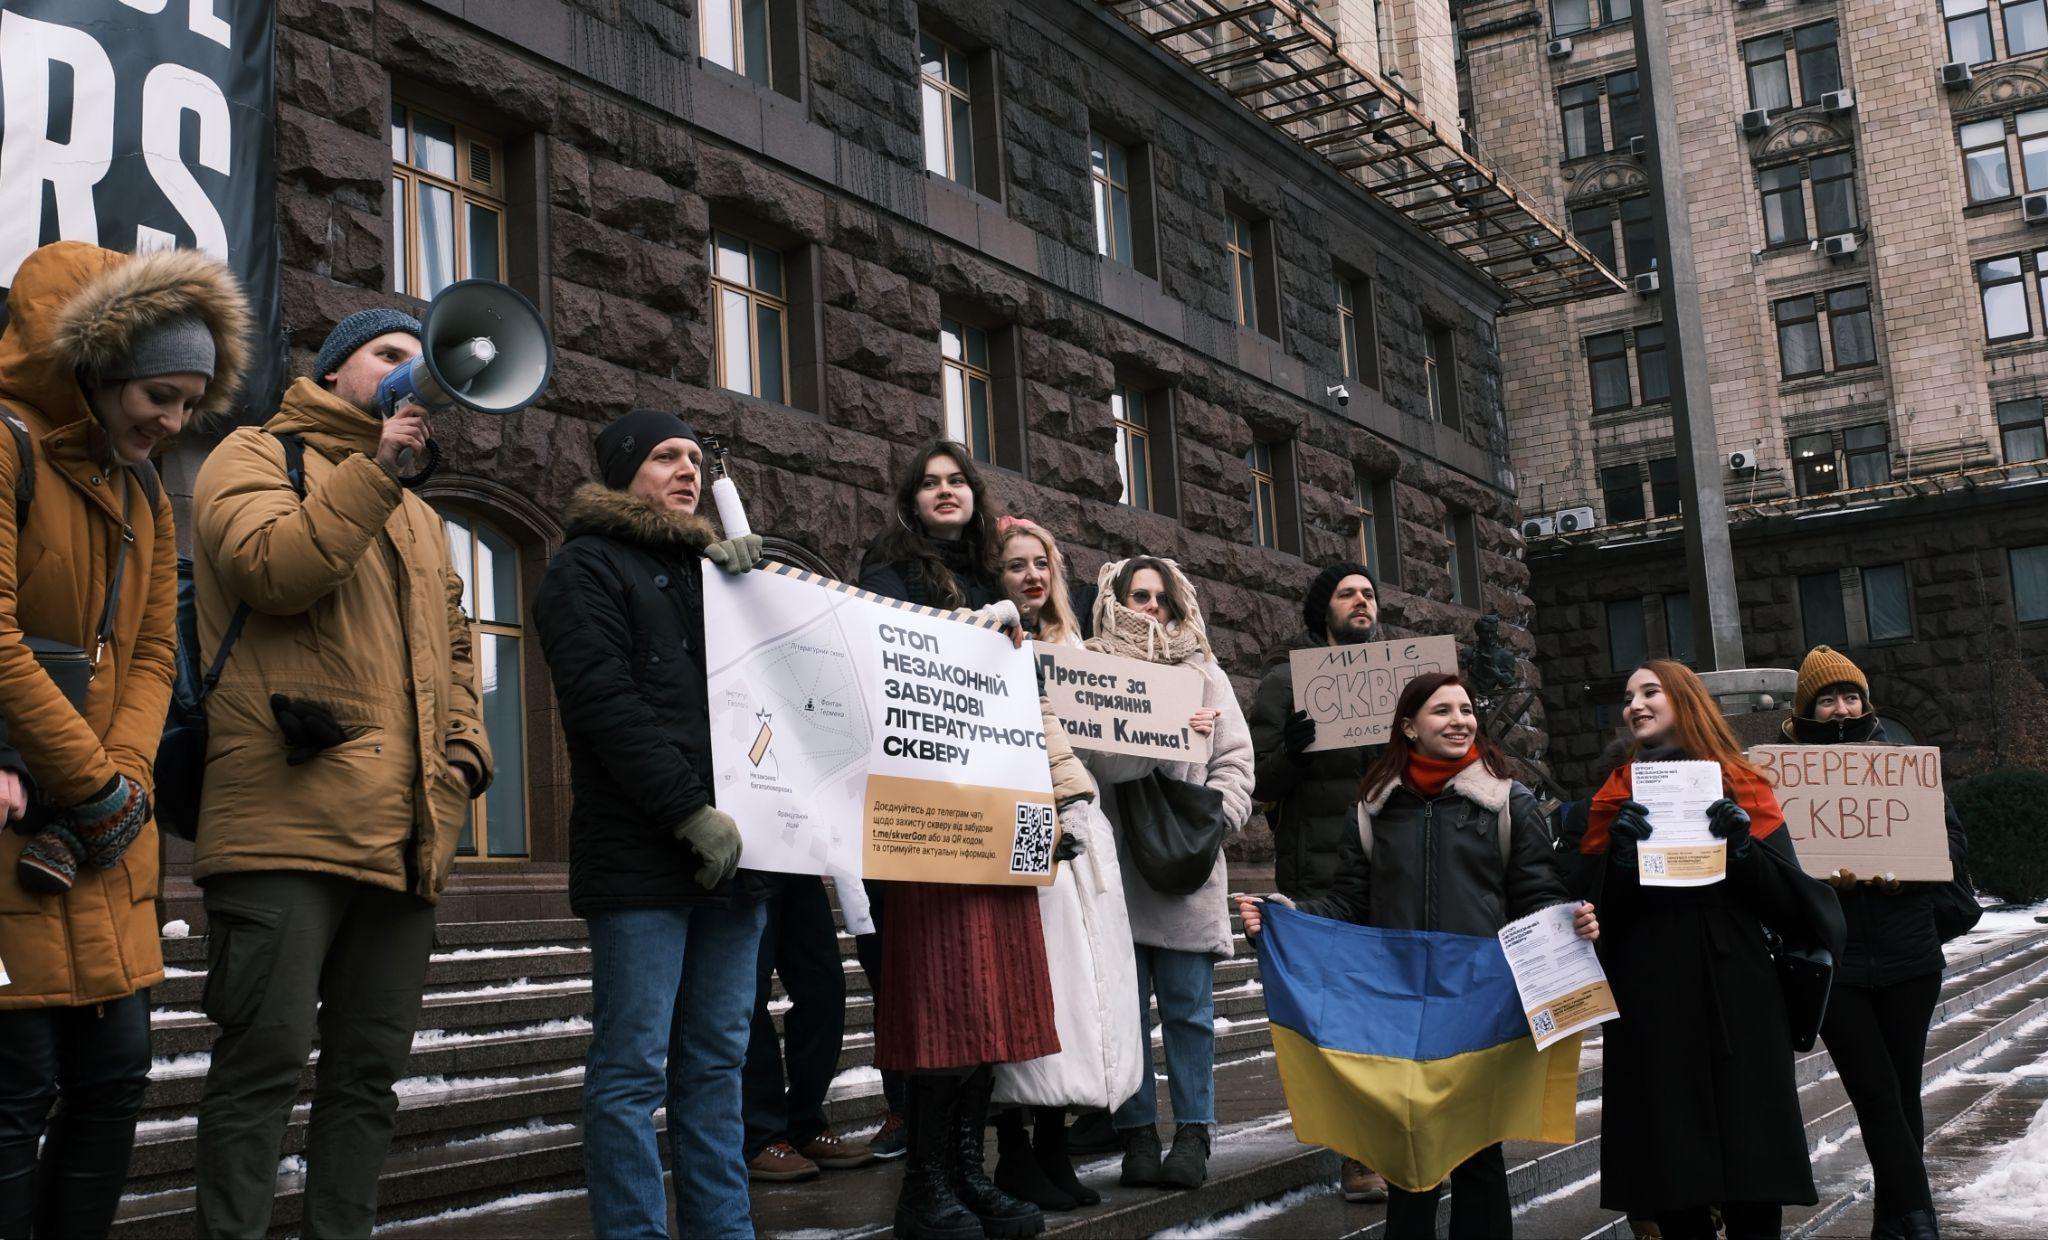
(1069, 846)
(1297, 736)
(309, 728)
(1729, 821)
(1631, 826)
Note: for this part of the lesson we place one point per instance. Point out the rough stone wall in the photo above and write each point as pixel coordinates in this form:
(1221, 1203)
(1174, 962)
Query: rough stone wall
(636, 151)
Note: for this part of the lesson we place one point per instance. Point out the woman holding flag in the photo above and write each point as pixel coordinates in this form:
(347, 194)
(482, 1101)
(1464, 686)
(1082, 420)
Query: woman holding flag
(1447, 842)
(1700, 1106)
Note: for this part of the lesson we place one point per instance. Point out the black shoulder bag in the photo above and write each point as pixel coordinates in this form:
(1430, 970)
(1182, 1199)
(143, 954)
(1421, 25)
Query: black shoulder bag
(1173, 828)
(181, 755)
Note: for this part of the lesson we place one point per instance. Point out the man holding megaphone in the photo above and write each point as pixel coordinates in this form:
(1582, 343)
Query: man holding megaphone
(346, 744)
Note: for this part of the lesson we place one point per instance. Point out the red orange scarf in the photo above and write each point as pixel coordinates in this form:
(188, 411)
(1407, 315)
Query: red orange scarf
(1427, 776)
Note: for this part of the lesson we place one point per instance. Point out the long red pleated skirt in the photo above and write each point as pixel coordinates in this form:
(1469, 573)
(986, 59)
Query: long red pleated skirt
(964, 978)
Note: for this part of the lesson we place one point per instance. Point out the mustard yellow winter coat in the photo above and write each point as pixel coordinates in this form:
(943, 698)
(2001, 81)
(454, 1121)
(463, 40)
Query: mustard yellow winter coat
(354, 604)
(73, 308)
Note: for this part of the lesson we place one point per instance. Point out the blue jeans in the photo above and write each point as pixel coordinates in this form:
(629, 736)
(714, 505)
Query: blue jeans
(672, 991)
(1185, 983)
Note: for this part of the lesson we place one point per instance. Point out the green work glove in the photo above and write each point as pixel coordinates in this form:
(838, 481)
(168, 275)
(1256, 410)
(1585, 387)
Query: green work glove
(716, 837)
(735, 555)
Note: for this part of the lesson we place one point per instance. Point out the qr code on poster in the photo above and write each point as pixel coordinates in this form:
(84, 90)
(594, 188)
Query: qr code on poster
(1653, 863)
(1032, 853)
(1543, 1023)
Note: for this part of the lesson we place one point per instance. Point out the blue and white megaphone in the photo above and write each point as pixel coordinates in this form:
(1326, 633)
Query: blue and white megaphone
(483, 347)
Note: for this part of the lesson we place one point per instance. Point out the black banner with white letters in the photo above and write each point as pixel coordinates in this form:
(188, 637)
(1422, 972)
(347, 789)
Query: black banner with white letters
(140, 124)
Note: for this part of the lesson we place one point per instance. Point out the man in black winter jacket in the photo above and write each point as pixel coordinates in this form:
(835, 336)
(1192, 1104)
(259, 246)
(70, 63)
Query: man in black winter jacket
(673, 932)
(1316, 794)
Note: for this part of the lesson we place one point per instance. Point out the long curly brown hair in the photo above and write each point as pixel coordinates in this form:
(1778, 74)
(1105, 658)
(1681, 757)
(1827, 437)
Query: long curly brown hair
(905, 541)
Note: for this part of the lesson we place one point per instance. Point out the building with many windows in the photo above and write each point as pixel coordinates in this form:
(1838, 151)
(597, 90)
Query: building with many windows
(1867, 186)
(827, 233)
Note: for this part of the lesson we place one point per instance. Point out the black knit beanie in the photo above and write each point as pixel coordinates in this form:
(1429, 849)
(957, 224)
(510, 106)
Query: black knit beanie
(1315, 609)
(623, 445)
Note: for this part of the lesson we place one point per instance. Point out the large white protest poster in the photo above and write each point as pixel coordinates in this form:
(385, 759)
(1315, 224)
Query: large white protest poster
(1869, 809)
(1351, 691)
(1110, 704)
(859, 735)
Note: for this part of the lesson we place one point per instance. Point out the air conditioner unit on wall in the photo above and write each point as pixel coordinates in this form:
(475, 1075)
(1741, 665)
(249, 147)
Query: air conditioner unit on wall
(1755, 121)
(2034, 208)
(1572, 520)
(1539, 527)
(1836, 102)
(1841, 245)
(1741, 459)
(1955, 75)
(1559, 49)
(1646, 283)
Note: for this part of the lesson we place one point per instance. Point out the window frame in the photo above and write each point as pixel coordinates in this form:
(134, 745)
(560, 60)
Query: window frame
(949, 93)
(756, 299)
(970, 373)
(1854, 454)
(2005, 26)
(1905, 587)
(1617, 140)
(2037, 426)
(1758, 54)
(1676, 606)
(2013, 573)
(1244, 273)
(1644, 355)
(1847, 179)
(1440, 374)
(1108, 191)
(1960, 13)
(465, 191)
(1595, 356)
(1588, 105)
(1815, 470)
(1633, 608)
(2017, 281)
(1135, 443)
(736, 41)
(1598, 240)
(1461, 538)
(1792, 202)
(1840, 318)
(1623, 480)
(1647, 219)
(1822, 592)
(1786, 317)
(477, 828)
(1977, 141)
(1664, 482)
(1809, 91)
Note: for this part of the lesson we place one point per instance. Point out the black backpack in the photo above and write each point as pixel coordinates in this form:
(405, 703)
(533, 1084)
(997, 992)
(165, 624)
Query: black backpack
(181, 754)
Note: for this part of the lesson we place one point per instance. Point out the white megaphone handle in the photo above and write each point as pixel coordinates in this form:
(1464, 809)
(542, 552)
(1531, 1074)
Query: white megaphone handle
(731, 513)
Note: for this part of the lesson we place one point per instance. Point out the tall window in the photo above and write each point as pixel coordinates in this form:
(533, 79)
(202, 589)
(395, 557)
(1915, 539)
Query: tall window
(1243, 271)
(1461, 534)
(1593, 227)
(1572, 16)
(1366, 507)
(1607, 362)
(1638, 235)
(1784, 205)
(1770, 84)
(2021, 431)
(1357, 338)
(1887, 603)
(1440, 373)
(2033, 128)
(447, 204)
(1820, 63)
(1834, 194)
(488, 563)
(2029, 583)
(735, 35)
(1580, 106)
(1821, 614)
(1849, 327)
(2026, 26)
(1813, 463)
(1678, 627)
(1265, 496)
(1665, 500)
(1987, 173)
(1651, 376)
(1798, 337)
(752, 309)
(2004, 294)
(1969, 30)
(1628, 638)
(1109, 166)
(946, 92)
(1867, 454)
(966, 380)
(1130, 409)
(1624, 106)
(1621, 493)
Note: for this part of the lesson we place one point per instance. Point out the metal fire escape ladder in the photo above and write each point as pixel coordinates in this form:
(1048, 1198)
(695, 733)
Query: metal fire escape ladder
(1284, 63)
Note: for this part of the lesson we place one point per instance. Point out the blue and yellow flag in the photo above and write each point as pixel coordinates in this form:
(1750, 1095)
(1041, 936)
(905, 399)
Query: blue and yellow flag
(1406, 1049)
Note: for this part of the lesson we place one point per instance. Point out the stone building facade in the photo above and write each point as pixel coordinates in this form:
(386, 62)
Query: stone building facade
(1875, 336)
(615, 150)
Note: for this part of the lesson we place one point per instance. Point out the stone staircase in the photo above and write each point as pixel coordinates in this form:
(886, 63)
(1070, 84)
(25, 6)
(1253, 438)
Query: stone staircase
(489, 1109)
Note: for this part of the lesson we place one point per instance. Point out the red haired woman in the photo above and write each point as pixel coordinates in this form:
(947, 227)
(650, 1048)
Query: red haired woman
(1701, 1109)
(1447, 841)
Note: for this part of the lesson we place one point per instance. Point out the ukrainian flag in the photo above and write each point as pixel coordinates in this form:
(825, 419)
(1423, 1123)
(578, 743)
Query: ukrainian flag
(1406, 1049)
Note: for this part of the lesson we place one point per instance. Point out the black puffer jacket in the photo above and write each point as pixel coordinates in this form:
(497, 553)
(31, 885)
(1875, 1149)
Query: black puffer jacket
(1436, 861)
(1317, 799)
(1893, 935)
(621, 621)
(906, 580)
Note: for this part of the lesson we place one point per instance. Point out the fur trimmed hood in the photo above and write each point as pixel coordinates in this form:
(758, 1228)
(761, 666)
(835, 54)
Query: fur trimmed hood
(1475, 783)
(77, 308)
(597, 509)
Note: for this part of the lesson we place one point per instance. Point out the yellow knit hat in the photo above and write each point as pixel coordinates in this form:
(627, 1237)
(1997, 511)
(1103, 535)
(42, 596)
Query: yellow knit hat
(1822, 667)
